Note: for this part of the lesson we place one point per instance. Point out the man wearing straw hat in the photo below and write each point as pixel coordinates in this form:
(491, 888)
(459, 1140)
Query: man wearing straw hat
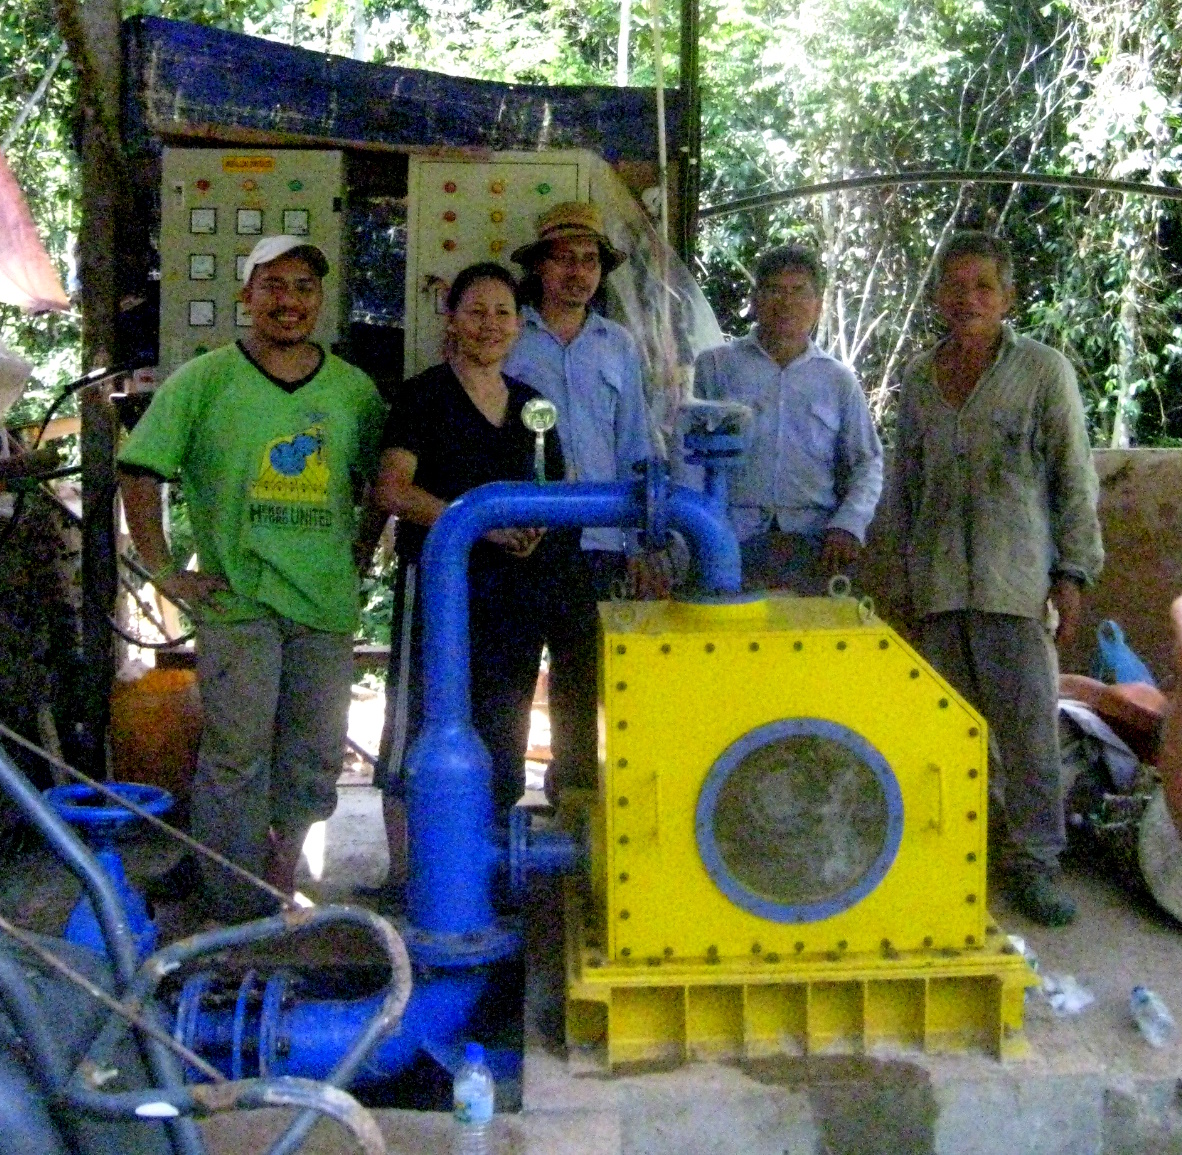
(589, 367)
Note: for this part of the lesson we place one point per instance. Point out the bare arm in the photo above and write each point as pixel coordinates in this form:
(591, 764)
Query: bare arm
(395, 493)
(369, 529)
(145, 520)
(1169, 761)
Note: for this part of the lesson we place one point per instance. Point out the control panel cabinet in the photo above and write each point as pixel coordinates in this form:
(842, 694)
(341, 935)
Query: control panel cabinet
(461, 212)
(214, 206)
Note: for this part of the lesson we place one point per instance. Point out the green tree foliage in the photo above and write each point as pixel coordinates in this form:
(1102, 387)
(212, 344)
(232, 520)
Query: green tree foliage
(793, 92)
(41, 160)
(1114, 304)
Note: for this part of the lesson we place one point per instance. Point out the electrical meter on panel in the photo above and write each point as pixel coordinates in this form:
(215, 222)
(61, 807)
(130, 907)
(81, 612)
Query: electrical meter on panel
(215, 204)
(462, 212)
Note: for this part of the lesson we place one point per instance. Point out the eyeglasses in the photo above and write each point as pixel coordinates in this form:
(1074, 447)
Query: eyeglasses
(568, 260)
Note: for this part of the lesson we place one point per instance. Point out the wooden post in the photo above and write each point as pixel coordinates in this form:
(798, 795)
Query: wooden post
(92, 34)
(689, 148)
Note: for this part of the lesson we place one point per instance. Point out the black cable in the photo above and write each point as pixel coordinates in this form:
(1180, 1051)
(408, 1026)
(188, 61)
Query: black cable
(938, 176)
(91, 378)
(167, 644)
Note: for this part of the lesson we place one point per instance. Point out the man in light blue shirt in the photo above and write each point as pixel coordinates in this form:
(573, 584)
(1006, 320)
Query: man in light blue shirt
(812, 475)
(589, 367)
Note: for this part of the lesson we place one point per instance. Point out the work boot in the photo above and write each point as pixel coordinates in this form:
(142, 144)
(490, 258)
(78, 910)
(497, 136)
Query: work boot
(1034, 891)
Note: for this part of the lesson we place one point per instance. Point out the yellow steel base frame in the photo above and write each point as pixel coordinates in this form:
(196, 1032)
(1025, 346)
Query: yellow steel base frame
(663, 1011)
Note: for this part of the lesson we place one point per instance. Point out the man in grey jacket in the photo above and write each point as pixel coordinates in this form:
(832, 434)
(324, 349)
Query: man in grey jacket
(997, 506)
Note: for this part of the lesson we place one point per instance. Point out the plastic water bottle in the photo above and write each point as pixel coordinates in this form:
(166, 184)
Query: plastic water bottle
(1152, 1017)
(473, 1093)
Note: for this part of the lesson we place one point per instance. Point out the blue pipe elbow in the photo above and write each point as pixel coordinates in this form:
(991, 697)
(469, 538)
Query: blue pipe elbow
(311, 1037)
(453, 852)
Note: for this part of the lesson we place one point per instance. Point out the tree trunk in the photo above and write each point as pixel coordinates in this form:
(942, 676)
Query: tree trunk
(92, 34)
(622, 43)
(1128, 341)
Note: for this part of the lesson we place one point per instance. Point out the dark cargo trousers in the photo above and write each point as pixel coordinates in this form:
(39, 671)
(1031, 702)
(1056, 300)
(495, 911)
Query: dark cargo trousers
(1007, 668)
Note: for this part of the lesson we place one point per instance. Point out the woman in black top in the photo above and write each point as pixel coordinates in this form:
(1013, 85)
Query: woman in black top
(454, 427)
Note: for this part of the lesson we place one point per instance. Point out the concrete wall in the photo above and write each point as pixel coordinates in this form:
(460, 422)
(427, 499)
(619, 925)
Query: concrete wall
(1141, 515)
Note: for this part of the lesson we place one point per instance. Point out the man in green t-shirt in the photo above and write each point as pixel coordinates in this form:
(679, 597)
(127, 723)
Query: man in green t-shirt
(272, 439)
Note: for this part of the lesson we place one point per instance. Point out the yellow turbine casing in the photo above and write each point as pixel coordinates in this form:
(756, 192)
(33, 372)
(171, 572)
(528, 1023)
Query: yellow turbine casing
(669, 957)
(681, 683)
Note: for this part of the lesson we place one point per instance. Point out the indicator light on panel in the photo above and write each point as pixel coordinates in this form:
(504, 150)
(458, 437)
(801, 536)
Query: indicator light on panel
(202, 185)
(497, 187)
(543, 189)
(496, 216)
(449, 216)
(449, 245)
(495, 247)
(295, 185)
(250, 185)
(449, 186)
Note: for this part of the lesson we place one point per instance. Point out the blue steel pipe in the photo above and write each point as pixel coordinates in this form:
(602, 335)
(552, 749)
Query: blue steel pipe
(184, 1134)
(508, 503)
(453, 856)
(309, 1038)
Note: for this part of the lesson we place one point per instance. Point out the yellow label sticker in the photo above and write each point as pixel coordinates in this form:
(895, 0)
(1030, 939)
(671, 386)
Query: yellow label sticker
(248, 164)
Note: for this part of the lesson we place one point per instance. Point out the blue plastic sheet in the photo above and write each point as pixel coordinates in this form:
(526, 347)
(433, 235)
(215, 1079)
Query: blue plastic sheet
(185, 78)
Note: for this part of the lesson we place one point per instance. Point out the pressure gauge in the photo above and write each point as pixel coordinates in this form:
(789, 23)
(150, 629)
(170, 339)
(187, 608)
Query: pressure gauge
(201, 314)
(202, 266)
(250, 222)
(539, 415)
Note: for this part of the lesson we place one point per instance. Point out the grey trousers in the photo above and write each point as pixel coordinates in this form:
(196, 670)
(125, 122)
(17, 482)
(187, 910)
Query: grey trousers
(774, 560)
(1007, 668)
(275, 697)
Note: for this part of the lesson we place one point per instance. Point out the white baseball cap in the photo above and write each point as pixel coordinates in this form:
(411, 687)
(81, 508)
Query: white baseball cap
(272, 248)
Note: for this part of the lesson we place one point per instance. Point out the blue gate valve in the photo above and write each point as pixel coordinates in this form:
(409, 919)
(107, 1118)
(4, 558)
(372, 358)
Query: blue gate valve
(101, 824)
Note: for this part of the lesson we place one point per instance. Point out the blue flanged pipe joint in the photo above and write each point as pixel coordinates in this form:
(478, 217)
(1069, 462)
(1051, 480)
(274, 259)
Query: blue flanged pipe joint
(539, 853)
(714, 434)
(454, 850)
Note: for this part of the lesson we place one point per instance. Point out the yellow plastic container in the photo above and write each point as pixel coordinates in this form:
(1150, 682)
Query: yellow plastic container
(155, 729)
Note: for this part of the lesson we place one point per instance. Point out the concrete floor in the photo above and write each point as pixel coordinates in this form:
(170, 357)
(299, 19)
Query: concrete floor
(1091, 1085)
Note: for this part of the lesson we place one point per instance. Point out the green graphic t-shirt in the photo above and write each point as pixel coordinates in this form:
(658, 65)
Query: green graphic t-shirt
(270, 478)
